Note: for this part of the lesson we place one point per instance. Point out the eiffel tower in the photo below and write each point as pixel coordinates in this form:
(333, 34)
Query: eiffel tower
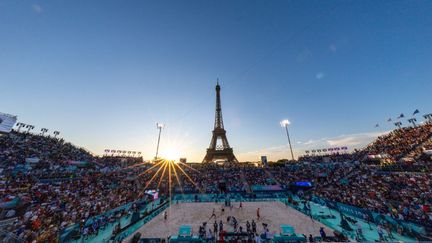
(219, 148)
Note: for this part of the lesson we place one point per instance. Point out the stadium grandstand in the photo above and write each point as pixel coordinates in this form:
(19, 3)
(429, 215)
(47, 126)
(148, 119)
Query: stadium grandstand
(280, 121)
(52, 191)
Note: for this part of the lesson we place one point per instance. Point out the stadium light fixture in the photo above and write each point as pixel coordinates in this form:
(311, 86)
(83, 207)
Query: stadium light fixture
(413, 121)
(398, 124)
(20, 125)
(29, 127)
(56, 133)
(285, 123)
(43, 131)
(428, 117)
(159, 126)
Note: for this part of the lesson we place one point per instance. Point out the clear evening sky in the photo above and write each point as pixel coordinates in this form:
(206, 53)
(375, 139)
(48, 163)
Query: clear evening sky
(104, 72)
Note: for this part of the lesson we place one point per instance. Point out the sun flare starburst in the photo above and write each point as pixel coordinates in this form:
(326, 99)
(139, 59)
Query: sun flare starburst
(171, 153)
(166, 174)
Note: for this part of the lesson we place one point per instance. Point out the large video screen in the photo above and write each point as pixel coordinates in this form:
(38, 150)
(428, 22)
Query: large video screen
(7, 122)
(153, 193)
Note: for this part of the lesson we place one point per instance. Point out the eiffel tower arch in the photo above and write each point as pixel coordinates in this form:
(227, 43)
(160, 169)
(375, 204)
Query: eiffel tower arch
(219, 148)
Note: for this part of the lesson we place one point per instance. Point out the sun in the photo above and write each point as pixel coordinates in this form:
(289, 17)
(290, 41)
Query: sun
(171, 154)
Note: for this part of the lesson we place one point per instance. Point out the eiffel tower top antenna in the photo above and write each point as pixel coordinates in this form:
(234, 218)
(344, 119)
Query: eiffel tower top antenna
(218, 114)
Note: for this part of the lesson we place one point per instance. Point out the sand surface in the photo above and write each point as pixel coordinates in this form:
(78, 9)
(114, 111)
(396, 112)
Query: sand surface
(194, 214)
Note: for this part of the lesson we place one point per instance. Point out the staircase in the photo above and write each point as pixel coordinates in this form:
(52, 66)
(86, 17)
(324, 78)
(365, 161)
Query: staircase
(412, 153)
(271, 176)
(244, 181)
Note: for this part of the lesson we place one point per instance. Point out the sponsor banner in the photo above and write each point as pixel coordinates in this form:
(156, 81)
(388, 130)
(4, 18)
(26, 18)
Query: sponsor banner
(414, 227)
(266, 188)
(32, 160)
(7, 122)
(354, 211)
(343, 208)
(303, 183)
(368, 215)
(10, 204)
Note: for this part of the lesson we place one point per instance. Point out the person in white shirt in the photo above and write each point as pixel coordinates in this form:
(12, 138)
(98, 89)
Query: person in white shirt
(209, 234)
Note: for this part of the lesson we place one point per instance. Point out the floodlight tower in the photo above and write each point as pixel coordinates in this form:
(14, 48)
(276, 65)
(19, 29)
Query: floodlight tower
(159, 126)
(285, 124)
(56, 133)
(20, 125)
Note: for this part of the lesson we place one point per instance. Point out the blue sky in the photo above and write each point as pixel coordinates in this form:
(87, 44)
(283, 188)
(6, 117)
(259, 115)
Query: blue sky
(104, 72)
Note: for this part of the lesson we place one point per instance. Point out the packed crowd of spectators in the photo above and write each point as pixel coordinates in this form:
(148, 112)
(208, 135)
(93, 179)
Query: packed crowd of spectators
(404, 196)
(55, 184)
(59, 204)
(50, 192)
(408, 143)
(331, 157)
(401, 142)
(15, 148)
